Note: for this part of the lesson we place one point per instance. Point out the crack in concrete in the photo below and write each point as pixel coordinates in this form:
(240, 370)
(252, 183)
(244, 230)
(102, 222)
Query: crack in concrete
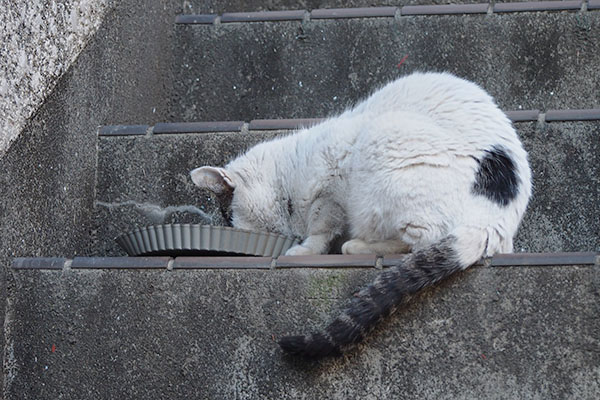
(154, 212)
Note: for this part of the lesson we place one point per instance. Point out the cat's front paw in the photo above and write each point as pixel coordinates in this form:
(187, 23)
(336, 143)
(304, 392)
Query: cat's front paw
(356, 246)
(299, 250)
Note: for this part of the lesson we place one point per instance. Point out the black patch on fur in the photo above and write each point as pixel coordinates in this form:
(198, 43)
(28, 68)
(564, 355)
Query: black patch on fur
(290, 207)
(496, 178)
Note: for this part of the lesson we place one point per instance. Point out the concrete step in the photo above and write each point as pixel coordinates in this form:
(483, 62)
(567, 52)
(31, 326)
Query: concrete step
(144, 179)
(317, 67)
(74, 331)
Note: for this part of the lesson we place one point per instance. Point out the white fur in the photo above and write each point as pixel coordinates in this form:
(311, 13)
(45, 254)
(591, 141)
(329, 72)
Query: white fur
(396, 172)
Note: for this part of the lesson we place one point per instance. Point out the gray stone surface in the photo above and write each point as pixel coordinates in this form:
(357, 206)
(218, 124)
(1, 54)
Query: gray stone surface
(48, 174)
(315, 69)
(145, 180)
(489, 333)
(40, 40)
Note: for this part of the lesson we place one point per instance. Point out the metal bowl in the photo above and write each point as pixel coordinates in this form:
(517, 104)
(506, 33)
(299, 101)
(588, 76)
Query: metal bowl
(202, 240)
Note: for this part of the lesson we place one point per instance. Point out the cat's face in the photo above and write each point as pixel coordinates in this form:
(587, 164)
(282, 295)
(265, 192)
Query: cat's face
(246, 202)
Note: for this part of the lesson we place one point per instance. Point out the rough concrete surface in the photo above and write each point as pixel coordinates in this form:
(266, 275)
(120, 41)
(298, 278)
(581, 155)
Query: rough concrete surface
(145, 180)
(490, 333)
(40, 40)
(315, 69)
(48, 174)
(563, 212)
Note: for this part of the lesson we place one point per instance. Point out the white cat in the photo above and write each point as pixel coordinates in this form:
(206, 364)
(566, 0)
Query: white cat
(427, 165)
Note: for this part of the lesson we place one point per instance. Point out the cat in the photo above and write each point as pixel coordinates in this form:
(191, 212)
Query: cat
(427, 165)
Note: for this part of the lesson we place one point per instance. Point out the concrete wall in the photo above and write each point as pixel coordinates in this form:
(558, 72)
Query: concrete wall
(292, 69)
(487, 333)
(40, 40)
(47, 175)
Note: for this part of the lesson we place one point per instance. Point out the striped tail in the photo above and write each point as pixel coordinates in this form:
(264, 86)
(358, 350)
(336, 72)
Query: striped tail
(378, 300)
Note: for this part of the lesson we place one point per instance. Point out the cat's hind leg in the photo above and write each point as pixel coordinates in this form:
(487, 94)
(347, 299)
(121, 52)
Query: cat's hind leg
(359, 246)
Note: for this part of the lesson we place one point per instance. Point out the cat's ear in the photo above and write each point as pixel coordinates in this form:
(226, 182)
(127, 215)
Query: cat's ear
(213, 178)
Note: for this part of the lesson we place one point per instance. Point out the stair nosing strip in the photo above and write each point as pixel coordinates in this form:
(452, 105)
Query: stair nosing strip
(385, 11)
(354, 12)
(327, 261)
(569, 115)
(122, 130)
(592, 114)
(263, 16)
(120, 262)
(48, 263)
(544, 259)
(274, 124)
(444, 9)
(523, 115)
(532, 6)
(243, 262)
(197, 127)
(195, 19)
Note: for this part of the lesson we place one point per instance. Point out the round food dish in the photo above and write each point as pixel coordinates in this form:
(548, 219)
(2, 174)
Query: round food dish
(202, 240)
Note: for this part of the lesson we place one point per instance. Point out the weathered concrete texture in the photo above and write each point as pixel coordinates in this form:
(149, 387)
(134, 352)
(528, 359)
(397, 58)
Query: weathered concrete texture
(563, 213)
(492, 333)
(297, 70)
(145, 180)
(40, 40)
(48, 174)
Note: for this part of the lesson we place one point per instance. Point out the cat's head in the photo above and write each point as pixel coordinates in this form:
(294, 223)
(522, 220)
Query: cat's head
(246, 197)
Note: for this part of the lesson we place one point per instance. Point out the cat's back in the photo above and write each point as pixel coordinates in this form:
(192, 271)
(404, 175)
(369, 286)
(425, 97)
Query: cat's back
(455, 105)
(428, 93)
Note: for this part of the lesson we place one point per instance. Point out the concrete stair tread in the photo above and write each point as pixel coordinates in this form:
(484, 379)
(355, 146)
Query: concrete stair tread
(592, 114)
(313, 261)
(485, 333)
